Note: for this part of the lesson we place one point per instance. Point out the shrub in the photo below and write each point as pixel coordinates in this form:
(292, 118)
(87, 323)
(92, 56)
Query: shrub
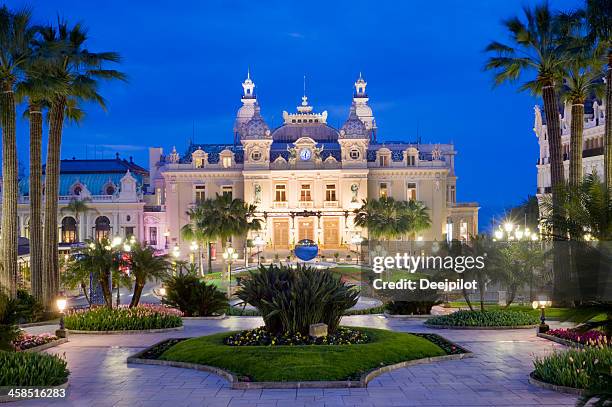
(9, 316)
(29, 309)
(578, 368)
(32, 369)
(261, 337)
(144, 316)
(484, 318)
(194, 297)
(290, 300)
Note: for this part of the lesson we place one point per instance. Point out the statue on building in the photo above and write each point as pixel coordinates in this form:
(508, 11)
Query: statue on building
(436, 153)
(355, 191)
(257, 193)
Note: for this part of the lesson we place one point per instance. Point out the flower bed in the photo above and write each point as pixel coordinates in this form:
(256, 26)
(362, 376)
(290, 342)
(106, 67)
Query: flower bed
(589, 338)
(261, 337)
(493, 318)
(28, 341)
(574, 368)
(32, 369)
(143, 317)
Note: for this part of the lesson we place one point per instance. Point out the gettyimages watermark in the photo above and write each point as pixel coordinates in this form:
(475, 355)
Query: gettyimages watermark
(498, 272)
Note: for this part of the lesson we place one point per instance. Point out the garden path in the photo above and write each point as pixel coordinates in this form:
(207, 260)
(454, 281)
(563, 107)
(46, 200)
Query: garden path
(496, 376)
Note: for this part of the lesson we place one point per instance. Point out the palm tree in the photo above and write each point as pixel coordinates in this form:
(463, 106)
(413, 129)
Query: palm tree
(16, 34)
(146, 266)
(535, 48)
(80, 71)
(387, 218)
(100, 259)
(599, 23)
(198, 230)
(77, 207)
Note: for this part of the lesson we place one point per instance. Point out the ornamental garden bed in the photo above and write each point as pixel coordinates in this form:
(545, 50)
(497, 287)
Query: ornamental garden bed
(141, 319)
(263, 361)
(574, 370)
(571, 337)
(35, 343)
(488, 319)
(23, 369)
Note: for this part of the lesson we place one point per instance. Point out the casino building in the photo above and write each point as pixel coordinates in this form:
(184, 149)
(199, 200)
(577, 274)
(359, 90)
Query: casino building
(306, 177)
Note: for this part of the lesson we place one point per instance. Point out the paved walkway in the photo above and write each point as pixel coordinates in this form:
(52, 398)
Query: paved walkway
(496, 376)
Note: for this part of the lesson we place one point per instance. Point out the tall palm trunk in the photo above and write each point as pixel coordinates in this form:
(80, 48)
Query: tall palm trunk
(608, 127)
(51, 266)
(36, 266)
(575, 170)
(551, 110)
(9, 190)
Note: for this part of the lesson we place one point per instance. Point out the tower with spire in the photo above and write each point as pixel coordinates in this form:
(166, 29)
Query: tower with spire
(362, 109)
(247, 110)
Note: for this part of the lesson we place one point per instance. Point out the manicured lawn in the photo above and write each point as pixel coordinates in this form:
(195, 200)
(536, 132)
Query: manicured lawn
(304, 363)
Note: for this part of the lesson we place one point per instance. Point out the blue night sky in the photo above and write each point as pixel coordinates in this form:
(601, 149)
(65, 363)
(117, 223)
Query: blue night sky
(422, 61)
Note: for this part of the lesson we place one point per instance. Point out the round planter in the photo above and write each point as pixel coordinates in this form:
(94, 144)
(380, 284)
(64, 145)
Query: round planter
(8, 399)
(554, 387)
(124, 332)
(490, 328)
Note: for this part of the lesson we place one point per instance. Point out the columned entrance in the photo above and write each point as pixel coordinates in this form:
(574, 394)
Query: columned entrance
(306, 229)
(281, 233)
(331, 233)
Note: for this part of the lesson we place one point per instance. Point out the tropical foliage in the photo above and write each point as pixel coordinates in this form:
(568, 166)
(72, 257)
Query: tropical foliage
(194, 297)
(387, 218)
(146, 266)
(290, 300)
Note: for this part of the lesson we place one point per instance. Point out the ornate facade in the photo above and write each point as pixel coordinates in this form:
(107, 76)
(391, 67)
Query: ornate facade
(593, 142)
(306, 177)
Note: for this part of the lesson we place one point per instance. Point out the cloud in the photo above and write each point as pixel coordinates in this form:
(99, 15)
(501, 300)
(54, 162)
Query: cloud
(295, 35)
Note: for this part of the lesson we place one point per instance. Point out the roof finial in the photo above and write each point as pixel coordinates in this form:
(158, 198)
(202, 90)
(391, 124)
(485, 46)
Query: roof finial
(248, 72)
(304, 85)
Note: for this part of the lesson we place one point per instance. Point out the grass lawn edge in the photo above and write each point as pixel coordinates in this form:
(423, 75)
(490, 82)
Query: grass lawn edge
(236, 382)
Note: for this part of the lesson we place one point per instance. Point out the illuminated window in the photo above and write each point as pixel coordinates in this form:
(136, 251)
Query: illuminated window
(199, 163)
(330, 192)
(382, 190)
(226, 162)
(411, 160)
(200, 193)
(227, 190)
(411, 191)
(305, 193)
(280, 193)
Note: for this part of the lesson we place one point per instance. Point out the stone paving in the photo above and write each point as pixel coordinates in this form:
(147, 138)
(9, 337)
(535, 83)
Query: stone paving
(496, 376)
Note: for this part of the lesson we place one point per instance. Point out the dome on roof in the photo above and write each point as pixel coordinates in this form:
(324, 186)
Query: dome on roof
(353, 127)
(256, 127)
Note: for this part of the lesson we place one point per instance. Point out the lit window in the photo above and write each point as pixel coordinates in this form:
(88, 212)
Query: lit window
(383, 160)
(305, 193)
(200, 193)
(382, 190)
(227, 162)
(226, 190)
(411, 160)
(330, 192)
(280, 194)
(411, 192)
(199, 163)
(354, 154)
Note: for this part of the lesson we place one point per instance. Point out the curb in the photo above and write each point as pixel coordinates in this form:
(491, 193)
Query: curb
(125, 332)
(7, 399)
(554, 387)
(561, 341)
(235, 382)
(211, 318)
(489, 328)
(48, 345)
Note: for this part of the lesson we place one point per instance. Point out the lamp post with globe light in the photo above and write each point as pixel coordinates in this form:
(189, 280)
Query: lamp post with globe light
(230, 256)
(61, 302)
(357, 240)
(176, 253)
(542, 303)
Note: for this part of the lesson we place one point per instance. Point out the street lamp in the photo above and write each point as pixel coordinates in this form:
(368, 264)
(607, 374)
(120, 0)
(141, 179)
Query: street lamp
(541, 304)
(61, 302)
(230, 256)
(260, 243)
(176, 253)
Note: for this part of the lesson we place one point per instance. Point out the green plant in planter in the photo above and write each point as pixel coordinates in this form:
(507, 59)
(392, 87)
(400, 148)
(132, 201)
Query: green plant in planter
(290, 300)
(32, 369)
(193, 296)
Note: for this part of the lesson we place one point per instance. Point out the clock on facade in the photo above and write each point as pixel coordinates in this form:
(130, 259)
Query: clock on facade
(305, 154)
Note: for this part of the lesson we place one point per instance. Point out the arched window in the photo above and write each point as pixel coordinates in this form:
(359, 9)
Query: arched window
(102, 228)
(77, 190)
(69, 229)
(110, 190)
